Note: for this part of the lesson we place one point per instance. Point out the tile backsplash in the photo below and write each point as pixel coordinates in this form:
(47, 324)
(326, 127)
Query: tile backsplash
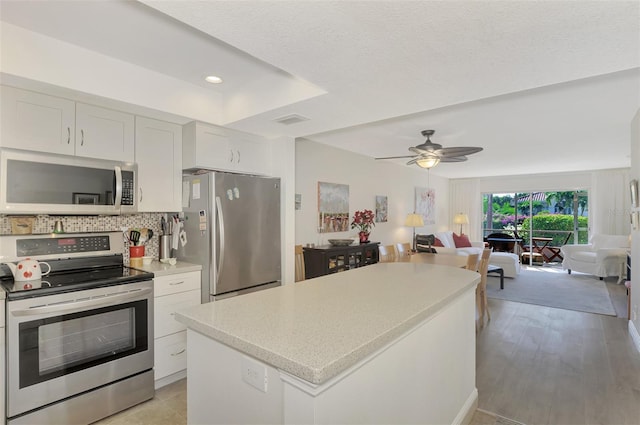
(43, 224)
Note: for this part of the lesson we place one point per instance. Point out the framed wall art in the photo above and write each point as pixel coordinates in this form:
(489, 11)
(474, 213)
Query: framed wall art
(382, 207)
(426, 204)
(333, 207)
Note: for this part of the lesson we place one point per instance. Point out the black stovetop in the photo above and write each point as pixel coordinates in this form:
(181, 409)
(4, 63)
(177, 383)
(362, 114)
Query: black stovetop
(73, 275)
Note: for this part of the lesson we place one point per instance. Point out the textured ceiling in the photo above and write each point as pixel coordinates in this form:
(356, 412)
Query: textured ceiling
(542, 86)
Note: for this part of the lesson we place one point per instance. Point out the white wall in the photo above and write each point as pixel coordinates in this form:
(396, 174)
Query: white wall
(366, 178)
(635, 235)
(283, 160)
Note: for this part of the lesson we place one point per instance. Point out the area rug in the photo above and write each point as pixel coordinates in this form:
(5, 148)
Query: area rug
(554, 287)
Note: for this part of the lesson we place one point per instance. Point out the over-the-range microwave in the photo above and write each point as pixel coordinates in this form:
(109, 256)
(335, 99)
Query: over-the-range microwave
(43, 183)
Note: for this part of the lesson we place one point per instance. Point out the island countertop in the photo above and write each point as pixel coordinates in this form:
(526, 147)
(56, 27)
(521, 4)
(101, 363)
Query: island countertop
(317, 328)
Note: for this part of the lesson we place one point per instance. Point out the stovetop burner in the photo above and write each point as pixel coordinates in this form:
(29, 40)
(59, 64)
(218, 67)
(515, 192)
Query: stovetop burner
(73, 281)
(77, 261)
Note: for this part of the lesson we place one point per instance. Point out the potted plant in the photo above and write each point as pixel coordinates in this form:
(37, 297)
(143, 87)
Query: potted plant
(363, 221)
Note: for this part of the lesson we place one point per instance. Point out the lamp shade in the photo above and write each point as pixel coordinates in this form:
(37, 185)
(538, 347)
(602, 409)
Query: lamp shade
(414, 220)
(461, 219)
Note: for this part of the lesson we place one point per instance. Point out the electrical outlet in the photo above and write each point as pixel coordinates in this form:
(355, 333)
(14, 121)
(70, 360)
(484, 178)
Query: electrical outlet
(254, 373)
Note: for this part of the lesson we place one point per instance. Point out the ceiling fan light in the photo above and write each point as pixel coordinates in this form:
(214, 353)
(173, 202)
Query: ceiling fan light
(428, 161)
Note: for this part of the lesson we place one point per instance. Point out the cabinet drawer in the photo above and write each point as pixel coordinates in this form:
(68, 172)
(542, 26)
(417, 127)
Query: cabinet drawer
(164, 307)
(170, 354)
(182, 282)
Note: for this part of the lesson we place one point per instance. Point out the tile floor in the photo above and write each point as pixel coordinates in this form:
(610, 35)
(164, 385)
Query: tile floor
(168, 407)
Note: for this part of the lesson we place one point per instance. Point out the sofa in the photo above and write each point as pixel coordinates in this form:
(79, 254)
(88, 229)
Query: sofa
(510, 263)
(604, 256)
(445, 243)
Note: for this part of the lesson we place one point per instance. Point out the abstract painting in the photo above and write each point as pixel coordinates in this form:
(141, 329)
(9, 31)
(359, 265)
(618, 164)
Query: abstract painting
(426, 204)
(333, 207)
(381, 209)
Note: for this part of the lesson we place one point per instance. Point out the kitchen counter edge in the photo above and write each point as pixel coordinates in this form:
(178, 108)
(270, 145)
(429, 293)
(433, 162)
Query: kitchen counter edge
(162, 269)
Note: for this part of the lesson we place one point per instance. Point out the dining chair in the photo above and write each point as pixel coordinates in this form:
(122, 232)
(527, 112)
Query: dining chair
(472, 262)
(387, 253)
(481, 289)
(403, 249)
(300, 272)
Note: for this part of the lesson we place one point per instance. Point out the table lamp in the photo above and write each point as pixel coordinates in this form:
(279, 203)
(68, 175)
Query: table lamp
(414, 220)
(461, 219)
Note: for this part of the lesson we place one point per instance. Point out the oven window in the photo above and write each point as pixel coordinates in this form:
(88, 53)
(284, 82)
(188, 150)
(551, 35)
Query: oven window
(68, 343)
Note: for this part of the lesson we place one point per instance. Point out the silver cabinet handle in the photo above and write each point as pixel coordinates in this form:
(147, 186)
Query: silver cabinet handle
(118, 199)
(179, 352)
(238, 155)
(221, 236)
(176, 283)
(231, 156)
(140, 194)
(75, 305)
(68, 135)
(81, 137)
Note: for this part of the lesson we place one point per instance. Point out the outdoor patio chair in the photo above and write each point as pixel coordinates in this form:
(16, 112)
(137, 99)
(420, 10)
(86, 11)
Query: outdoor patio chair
(556, 251)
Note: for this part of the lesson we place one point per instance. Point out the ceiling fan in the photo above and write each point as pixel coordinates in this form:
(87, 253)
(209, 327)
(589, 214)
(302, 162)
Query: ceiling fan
(429, 154)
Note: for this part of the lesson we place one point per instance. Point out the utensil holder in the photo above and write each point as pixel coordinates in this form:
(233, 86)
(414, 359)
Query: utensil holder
(165, 247)
(136, 251)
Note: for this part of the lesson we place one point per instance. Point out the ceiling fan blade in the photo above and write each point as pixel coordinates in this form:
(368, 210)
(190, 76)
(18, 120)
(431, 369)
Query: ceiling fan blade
(396, 157)
(453, 159)
(426, 148)
(458, 151)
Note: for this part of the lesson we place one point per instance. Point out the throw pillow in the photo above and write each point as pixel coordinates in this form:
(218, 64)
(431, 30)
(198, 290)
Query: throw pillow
(438, 242)
(461, 241)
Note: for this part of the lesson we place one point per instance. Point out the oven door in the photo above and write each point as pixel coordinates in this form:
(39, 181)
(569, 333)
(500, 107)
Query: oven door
(61, 345)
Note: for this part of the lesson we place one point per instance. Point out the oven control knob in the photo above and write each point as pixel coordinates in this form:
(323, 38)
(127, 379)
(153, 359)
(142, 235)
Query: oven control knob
(27, 286)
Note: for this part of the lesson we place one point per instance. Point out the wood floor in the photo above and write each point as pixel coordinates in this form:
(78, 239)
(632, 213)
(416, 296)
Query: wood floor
(535, 365)
(541, 365)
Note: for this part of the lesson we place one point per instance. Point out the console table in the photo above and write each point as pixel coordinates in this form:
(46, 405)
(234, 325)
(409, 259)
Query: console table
(326, 259)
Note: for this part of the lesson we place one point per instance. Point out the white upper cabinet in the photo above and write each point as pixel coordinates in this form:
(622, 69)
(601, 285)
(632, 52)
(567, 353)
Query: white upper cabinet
(39, 122)
(158, 152)
(35, 121)
(104, 133)
(217, 148)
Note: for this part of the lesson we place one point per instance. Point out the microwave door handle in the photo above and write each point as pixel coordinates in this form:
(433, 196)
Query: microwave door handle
(72, 306)
(118, 200)
(221, 233)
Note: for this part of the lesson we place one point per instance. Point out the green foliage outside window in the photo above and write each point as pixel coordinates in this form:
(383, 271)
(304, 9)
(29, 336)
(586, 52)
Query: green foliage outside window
(554, 222)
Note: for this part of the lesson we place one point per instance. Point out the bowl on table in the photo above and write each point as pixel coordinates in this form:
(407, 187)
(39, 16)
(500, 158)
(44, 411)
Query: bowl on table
(340, 242)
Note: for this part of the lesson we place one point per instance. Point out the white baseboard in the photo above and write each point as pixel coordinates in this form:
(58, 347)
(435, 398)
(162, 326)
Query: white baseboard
(159, 383)
(634, 335)
(468, 409)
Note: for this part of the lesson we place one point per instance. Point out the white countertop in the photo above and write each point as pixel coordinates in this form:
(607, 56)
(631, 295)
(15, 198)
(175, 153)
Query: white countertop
(162, 269)
(317, 328)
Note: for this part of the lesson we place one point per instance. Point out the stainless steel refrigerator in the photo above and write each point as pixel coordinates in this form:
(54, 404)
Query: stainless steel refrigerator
(232, 224)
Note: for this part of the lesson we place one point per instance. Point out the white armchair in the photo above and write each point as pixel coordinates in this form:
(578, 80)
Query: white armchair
(605, 256)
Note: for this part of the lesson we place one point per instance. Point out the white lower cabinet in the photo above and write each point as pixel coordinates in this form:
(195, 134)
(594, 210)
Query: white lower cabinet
(172, 292)
(170, 354)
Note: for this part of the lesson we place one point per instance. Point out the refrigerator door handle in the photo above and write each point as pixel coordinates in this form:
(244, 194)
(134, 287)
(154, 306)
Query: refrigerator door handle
(221, 233)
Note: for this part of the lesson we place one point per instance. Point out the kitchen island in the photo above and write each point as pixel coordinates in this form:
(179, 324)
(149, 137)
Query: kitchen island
(388, 343)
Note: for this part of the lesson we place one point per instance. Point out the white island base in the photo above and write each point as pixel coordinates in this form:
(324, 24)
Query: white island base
(424, 376)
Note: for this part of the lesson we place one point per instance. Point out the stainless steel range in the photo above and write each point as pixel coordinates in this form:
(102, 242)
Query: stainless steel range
(80, 339)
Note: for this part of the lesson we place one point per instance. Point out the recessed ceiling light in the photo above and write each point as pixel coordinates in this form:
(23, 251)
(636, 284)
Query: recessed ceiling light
(213, 79)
